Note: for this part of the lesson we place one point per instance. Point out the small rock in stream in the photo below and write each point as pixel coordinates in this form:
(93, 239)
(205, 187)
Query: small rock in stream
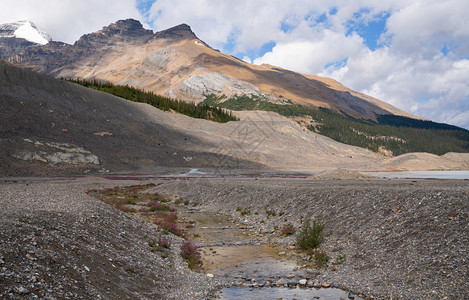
(281, 282)
(291, 283)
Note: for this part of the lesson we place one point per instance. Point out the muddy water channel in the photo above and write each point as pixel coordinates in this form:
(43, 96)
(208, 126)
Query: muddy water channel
(252, 265)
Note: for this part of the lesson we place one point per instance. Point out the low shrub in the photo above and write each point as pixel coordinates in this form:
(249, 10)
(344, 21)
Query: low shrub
(321, 258)
(311, 235)
(161, 244)
(190, 253)
(167, 221)
(246, 212)
(339, 260)
(156, 206)
(164, 242)
(243, 212)
(288, 230)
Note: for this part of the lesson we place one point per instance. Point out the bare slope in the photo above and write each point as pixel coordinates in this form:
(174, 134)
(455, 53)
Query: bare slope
(49, 122)
(176, 63)
(59, 243)
(49, 126)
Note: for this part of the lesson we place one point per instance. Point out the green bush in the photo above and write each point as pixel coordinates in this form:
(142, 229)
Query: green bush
(311, 235)
(321, 258)
(246, 212)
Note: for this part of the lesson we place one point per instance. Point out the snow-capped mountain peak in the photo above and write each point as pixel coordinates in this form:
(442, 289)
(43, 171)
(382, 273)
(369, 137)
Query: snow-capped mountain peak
(25, 30)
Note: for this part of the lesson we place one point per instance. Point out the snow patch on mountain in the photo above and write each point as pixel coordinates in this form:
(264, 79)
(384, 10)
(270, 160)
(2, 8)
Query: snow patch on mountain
(25, 30)
(31, 33)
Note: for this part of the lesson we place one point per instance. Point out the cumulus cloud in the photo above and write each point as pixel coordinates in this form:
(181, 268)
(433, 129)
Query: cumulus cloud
(426, 26)
(310, 56)
(419, 63)
(423, 69)
(67, 20)
(250, 24)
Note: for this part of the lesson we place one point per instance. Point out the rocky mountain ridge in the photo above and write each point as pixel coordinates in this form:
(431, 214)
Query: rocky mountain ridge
(14, 39)
(176, 63)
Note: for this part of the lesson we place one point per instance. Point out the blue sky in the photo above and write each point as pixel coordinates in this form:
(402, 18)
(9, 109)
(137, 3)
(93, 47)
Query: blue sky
(411, 54)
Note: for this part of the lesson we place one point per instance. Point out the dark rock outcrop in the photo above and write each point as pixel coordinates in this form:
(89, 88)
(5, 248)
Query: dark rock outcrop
(182, 31)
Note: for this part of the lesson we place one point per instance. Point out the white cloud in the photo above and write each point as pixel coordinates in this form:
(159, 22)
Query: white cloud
(67, 20)
(405, 81)
(426, 26)
(247, 59)
(310, 56)
(409, 72)
(250, 23)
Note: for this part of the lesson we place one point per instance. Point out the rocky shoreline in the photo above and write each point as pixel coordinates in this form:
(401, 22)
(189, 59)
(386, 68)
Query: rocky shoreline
(404, 239)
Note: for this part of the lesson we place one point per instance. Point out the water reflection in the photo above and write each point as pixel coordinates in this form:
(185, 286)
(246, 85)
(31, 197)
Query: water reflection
(421, 174)
(285, 293)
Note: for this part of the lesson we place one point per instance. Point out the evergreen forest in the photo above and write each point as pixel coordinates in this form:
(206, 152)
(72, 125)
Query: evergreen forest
(388, 132)
(201, 111)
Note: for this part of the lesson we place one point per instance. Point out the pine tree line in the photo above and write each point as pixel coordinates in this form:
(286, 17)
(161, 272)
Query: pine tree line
(398, 134)
(201, 111)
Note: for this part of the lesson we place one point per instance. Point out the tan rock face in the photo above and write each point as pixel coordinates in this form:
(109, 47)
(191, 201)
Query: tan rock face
(175, 63)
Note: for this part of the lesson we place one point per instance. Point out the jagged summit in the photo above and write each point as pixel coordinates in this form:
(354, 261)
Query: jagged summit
(133, 28)
(128, 27)
(25, 29)
(182, 31)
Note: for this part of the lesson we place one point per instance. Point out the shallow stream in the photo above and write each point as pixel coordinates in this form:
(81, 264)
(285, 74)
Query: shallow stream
(251, 264)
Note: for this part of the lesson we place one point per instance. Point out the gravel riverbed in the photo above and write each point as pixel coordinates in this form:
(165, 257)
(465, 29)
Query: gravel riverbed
(404, 239)
(59, 243)
(401, 239)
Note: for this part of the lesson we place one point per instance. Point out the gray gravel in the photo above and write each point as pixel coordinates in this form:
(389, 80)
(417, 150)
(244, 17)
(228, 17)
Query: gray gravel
(404, 239)
(59, 243)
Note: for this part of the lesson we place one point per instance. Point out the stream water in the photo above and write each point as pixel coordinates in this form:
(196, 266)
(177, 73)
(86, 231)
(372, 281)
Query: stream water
(250, 263)
(463, 174)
